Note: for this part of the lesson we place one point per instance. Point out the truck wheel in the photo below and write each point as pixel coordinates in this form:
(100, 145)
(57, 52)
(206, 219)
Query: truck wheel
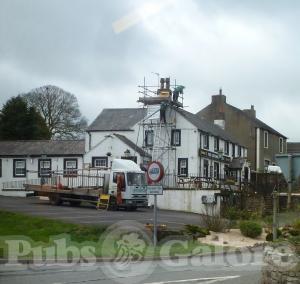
(74, 203)
(55, 200)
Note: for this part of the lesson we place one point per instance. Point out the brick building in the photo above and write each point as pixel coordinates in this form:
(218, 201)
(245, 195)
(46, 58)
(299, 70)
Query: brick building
(262, 141)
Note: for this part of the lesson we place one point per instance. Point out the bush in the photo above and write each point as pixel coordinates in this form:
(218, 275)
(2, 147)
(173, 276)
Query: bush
(296, 225)
(250, 229)
(196, 231)
(233, 213)
(269, 236)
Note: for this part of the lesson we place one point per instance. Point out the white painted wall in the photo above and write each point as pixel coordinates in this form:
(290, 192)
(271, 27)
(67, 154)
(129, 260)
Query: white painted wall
(57, 164)
(110, 144)
(185, 200)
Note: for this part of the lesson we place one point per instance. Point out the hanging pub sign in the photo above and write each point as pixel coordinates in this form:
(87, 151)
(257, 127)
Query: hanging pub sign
(155, 172)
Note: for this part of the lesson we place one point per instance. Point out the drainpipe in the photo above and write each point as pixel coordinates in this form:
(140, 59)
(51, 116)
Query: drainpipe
(257, 148)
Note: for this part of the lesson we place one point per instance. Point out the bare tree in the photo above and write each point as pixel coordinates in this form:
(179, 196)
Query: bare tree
(60, 110)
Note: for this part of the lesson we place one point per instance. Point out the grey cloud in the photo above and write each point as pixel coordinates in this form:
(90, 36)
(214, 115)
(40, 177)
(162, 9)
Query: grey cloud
(250, 48)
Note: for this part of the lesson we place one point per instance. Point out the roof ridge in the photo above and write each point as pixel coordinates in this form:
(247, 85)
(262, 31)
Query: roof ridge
(256, 119)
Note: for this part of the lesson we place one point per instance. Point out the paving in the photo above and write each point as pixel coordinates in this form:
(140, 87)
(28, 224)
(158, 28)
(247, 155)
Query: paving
(90, 216)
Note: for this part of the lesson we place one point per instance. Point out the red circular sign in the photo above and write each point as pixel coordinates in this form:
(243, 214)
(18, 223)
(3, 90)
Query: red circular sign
(155, 171)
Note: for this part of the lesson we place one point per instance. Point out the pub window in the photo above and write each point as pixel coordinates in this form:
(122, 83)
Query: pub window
(266, 139)
(233, 150)
(0, 168)
(216, 170)
(280, 145)
(19, 168)
(183, 167)
(149, 137)
(205, 168)
(216, 144)
(226, 148)
(99, 162)
(239, 151)
(176, 137)
(206, 141)
(44, 167)
(70, 166)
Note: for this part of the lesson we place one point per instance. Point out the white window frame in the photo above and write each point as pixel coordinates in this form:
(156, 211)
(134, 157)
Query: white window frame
(216, 144)
(44, 166)
(96, 160)
(23, 168)
(226, 147)
(280, 145)
(205, 170)
(149, 138)
(266, 139)
(206, 141)
(176, 137)
(183, 166)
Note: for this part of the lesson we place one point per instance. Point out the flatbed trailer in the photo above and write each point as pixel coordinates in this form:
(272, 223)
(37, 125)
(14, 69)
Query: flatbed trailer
(73, 195)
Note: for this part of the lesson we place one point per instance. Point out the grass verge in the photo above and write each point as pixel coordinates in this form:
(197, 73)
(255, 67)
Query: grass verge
(37, 237)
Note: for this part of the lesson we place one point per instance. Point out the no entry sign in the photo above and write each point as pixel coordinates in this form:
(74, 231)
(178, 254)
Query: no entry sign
(155, 172)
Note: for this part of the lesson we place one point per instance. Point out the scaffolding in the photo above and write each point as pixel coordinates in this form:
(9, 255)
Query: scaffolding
(161, 102)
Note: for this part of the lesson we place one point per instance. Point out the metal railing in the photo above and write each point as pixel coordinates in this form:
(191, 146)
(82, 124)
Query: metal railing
(62, 179)
(194, 181)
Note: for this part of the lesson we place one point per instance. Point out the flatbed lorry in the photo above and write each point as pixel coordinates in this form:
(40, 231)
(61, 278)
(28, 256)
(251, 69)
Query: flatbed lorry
(124, 185)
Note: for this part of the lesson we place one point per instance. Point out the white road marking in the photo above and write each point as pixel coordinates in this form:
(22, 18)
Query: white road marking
(207, 279)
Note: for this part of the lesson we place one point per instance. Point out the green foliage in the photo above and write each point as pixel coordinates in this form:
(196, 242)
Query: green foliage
(269, 236)
(250, 229)
(296, 225)
(233, 213)
(18, 121)
(39, 229)
(196, 231)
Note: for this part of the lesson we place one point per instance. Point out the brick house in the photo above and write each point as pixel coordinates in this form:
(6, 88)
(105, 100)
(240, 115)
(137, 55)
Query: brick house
(262, 141)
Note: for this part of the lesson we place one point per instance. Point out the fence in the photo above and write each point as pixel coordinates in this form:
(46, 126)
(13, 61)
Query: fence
(60, 179)
(193, 181)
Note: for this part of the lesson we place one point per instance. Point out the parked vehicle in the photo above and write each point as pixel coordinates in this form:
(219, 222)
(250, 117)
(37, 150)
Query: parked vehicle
(122, 186)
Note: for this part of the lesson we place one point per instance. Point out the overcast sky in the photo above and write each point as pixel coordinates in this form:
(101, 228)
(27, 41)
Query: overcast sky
(101, 50)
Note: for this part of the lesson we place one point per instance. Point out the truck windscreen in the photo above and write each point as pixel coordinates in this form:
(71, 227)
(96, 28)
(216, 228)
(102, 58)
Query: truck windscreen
(136, 179)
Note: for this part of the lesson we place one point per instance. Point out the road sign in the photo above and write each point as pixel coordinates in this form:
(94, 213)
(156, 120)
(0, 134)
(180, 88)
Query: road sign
(154, 190)
(155, 171)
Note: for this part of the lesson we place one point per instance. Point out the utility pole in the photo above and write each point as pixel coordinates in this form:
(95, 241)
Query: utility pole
(275, 221)
(289, 197)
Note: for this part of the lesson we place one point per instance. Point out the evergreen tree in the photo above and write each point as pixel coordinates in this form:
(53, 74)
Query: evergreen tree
(18, 121)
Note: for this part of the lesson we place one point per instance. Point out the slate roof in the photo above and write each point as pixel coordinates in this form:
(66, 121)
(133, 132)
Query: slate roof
(293, 147)
(124, 119)
(42, 147)
(132, 145)
(118, 119)
(207, 126)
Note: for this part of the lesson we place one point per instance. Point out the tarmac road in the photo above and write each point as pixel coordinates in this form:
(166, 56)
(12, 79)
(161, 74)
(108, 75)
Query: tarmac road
(244, 268)
(90, 216)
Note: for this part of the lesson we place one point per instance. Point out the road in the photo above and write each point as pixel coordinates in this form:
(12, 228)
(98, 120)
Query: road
(237, 269)
(89, 216)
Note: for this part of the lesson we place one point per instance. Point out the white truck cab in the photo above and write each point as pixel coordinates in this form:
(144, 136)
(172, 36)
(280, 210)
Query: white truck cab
(134, 189)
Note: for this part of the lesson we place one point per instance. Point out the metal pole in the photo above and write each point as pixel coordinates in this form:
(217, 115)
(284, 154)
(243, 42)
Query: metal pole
(289, 198)
(155, 221)
(274, 215)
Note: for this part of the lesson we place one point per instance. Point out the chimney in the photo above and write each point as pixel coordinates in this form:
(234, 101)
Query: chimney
(251, 112)
(219, 102)
(219, 99)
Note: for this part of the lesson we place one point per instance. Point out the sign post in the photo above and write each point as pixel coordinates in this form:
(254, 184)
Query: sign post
(155, 174)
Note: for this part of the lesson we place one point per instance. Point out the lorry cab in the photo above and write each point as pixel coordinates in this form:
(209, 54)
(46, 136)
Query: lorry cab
(134, 184)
